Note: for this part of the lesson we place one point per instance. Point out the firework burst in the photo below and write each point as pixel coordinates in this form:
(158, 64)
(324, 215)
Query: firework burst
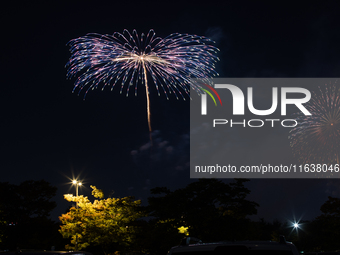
(126, 60)
(316, 138)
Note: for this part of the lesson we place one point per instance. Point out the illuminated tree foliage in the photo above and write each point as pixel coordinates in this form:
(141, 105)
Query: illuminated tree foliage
(108, 223)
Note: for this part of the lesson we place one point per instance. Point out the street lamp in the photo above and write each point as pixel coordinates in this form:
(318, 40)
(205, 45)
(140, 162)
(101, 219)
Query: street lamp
(75, 182)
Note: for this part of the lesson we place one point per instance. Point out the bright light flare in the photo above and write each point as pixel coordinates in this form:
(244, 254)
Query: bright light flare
(75, 182)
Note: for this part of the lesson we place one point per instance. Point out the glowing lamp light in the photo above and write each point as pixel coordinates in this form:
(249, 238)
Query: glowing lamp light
(75, 182)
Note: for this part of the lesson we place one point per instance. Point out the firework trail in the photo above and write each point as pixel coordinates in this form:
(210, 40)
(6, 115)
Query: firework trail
(127, 60)
(316, 138)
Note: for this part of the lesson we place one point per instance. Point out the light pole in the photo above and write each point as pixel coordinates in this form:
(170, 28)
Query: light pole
(75, 182)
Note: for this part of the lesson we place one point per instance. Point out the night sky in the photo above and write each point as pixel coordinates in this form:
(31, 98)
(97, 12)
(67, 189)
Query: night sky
(50, 133)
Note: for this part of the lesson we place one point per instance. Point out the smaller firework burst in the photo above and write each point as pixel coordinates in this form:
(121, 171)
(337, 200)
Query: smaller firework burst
(316, 138)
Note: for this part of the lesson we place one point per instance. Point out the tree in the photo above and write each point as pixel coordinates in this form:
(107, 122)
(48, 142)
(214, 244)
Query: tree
(2, 225)
(25, 208)
(105, 222)
(209, 209)
(30, 199)
(326, 226)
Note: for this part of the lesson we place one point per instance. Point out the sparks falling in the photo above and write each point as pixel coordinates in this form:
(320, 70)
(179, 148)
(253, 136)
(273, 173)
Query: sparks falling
(126, 60)
(316, 139)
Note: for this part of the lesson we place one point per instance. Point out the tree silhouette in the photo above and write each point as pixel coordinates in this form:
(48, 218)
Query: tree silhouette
(210, 209)
(326, 226)
(25, 208)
